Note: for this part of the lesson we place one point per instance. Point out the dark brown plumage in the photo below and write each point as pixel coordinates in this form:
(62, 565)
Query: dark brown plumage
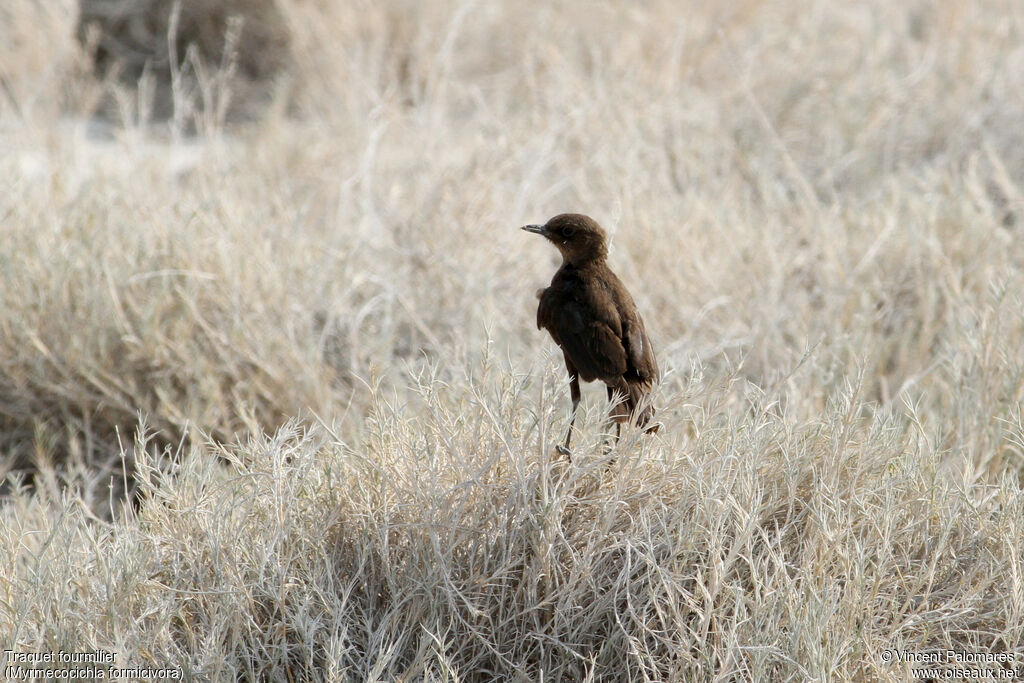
(592, 317)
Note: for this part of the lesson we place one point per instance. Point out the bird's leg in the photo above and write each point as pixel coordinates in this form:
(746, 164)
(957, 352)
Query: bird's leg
(574, 392)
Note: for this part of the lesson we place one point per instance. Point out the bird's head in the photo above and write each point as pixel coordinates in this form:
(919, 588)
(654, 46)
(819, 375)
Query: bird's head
(578, 237)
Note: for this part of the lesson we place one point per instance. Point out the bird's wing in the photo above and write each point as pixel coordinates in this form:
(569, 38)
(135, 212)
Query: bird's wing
(590, 342)
(639, 353)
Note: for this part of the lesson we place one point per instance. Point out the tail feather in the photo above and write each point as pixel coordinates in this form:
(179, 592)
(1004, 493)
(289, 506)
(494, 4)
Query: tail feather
(631, 404)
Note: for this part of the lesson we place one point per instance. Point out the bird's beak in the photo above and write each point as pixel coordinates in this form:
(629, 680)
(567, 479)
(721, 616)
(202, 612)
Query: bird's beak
(539, 229)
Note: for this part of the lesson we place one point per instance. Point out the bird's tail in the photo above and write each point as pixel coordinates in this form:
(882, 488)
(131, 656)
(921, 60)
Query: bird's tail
(632, 403)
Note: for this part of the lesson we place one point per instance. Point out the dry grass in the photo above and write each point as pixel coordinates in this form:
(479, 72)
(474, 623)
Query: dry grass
(324, 318)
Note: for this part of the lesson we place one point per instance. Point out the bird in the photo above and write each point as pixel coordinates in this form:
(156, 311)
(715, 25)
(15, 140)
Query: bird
(593, 319)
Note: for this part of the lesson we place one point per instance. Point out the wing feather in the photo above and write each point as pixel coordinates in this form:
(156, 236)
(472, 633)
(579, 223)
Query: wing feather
(638, 350)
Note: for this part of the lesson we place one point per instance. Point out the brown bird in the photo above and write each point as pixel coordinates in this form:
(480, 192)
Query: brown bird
(592, 317)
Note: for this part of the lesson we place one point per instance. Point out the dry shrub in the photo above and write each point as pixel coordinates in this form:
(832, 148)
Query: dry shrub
(445, 544)
(184, 44)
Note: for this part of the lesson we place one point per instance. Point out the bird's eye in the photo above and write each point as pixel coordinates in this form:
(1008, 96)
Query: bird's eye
(568, 231)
